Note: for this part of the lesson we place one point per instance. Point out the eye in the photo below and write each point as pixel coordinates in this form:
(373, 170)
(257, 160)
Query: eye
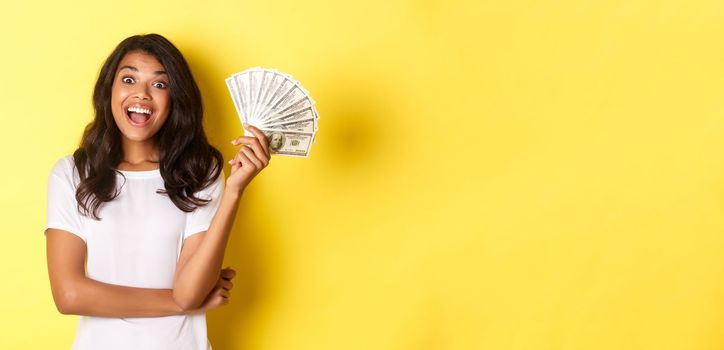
(160, 85)
(127, 80)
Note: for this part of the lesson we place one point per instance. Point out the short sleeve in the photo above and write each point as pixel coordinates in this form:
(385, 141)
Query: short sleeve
(62, 209)
(199, 220)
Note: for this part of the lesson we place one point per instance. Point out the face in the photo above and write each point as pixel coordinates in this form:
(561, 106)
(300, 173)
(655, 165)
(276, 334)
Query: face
(276, 141)
(140, 96)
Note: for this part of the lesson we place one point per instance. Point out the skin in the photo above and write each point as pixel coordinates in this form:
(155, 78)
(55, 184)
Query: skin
(200, 284)
(140, 80)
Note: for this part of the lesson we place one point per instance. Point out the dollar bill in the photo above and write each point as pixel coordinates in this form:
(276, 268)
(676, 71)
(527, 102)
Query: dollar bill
(297, 107)
(307, 126)
(271, 87)
(256, 81)
(288, 143)
(234, 92)
(278, 105)
(289, 98)
(284, 87)
(242, 84)
(304, 114)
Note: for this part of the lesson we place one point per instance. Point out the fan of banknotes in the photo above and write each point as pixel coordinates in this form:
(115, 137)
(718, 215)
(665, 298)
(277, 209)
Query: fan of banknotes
(279, 106)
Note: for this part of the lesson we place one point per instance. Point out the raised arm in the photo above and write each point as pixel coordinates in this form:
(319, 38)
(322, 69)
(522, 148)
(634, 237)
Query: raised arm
(76, 294)
(201, 257)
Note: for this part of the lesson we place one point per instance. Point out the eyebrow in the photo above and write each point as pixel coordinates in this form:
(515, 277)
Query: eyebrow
(158, 72)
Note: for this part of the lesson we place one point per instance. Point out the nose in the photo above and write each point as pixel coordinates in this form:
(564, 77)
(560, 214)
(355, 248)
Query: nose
(141, 92)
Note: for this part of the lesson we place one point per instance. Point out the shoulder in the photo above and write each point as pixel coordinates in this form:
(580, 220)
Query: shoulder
(65, 170)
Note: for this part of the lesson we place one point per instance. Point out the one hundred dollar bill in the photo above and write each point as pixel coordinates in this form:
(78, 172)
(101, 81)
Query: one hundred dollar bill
(290, 143)
(305, 114)
(306, 126)
(278, 105)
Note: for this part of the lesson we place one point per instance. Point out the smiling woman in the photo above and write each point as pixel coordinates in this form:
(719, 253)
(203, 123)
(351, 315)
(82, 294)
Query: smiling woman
(140, 97)
(143, 199)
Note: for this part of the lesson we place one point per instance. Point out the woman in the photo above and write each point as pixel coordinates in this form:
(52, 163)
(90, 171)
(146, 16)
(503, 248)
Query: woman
(143, 199)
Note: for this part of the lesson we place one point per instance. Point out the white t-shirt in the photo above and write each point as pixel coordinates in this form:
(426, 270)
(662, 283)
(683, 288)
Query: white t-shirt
(136, 243)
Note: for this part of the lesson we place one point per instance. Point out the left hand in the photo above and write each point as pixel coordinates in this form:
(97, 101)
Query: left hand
(249, 160)
(220, 294)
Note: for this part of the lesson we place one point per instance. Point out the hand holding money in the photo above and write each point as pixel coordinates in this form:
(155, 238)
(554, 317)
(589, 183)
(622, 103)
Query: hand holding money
(278, 106)
(252, 157)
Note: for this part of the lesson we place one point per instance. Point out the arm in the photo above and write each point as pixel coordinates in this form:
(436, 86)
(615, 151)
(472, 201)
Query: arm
(203, 253)
(76, 294)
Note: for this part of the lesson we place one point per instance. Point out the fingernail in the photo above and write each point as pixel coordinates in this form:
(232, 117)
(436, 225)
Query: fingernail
(245, 125)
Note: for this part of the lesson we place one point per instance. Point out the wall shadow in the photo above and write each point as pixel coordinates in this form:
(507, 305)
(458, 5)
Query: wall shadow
(352, 133)
(353, 123)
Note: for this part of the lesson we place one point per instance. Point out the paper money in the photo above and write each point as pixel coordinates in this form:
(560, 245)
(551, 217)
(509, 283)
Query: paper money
(289, 143)
(279, 106)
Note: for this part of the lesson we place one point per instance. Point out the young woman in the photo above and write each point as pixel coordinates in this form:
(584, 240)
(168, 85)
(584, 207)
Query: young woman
(144, 200)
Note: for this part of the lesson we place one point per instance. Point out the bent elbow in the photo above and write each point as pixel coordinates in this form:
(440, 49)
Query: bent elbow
(66, 302)
(186, 302)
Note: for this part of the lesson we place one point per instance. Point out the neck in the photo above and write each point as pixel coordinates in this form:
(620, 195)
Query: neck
(139, 154)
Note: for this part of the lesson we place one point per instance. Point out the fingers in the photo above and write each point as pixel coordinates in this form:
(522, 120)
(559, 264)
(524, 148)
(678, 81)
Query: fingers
(225, 284)
(228, 273)
(260, 153)
(259, 146)
(259, 135)
(252, 157)
(225, 279)
(255, 152)
(240, 160)
(247, 156)
(219, 296)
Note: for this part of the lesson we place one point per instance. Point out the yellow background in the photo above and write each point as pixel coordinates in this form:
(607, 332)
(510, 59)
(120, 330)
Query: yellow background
(487, 174)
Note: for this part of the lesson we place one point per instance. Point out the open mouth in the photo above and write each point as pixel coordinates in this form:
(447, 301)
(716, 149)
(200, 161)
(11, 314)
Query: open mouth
(139, 115)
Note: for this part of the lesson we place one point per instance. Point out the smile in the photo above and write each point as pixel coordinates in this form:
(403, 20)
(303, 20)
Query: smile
(139, 115)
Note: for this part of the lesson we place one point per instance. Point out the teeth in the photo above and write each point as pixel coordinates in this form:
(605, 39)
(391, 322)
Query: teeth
(139, 110)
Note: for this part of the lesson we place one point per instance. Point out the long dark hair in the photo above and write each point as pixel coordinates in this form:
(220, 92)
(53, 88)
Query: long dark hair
(188, 163)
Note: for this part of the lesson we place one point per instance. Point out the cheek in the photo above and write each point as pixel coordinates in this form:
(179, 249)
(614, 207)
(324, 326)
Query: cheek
(116, 99)
(115, 108)
(116, 91)
(163, 100)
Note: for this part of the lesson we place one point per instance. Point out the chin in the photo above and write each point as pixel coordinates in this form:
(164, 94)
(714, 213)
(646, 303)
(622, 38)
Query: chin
(137, 137)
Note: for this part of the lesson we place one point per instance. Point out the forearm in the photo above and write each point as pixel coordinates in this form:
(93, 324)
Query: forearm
(93, 298)
(199, 274)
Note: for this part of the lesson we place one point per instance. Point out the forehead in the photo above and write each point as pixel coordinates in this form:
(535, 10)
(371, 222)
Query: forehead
(142, 61)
